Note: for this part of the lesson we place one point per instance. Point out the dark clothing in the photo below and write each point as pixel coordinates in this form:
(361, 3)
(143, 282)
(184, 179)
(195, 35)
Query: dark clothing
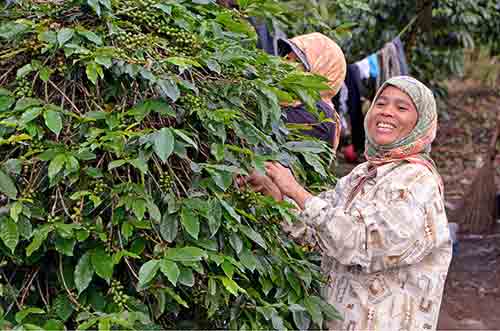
(353, 83)
(325, 131)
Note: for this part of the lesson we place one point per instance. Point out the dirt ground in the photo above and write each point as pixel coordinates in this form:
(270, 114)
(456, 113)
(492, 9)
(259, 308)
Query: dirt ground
(472, 294)
(471, 299)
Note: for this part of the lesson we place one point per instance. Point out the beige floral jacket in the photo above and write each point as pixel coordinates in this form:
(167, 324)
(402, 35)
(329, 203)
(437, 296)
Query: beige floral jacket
(386, 254)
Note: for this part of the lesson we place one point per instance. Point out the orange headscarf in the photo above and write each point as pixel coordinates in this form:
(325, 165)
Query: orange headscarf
(325, 58)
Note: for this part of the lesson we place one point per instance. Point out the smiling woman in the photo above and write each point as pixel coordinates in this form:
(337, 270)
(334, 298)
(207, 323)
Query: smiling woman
(393, 116)
(382, 231)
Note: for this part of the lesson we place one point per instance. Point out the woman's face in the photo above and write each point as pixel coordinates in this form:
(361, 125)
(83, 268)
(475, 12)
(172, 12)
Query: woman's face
(294, 59)
(392, 117)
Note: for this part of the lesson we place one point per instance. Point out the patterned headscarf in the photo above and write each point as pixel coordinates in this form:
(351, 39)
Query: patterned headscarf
(415, 147)
(324, 57)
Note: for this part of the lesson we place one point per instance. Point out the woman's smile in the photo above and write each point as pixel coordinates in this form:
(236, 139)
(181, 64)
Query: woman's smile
(392, 117)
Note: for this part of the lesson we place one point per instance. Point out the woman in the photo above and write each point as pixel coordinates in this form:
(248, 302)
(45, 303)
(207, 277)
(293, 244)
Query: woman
(383, 230)
(320, 55)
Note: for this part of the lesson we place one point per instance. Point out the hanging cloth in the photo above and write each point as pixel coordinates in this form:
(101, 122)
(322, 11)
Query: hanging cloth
(373, 63)
(389, 63)
(353, 83)
(401, 55)
(364, 68)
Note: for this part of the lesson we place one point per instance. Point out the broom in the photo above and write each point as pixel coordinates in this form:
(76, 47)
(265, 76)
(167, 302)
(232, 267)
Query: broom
(478, 211)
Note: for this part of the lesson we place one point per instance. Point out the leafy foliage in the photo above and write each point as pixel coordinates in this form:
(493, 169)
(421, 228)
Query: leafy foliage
(122, 127)
(435, 42)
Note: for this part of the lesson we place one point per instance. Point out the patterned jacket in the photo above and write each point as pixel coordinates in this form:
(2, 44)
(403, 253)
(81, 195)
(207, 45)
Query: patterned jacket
(386, 254)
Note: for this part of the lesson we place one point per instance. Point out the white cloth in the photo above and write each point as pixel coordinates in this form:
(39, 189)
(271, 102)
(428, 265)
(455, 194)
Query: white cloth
(364, 68)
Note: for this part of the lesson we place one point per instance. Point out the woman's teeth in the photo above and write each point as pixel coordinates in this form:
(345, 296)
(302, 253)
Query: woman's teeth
(385, 125)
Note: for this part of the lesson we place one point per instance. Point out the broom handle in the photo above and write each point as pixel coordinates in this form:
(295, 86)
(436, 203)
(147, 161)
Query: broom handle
(493, 143)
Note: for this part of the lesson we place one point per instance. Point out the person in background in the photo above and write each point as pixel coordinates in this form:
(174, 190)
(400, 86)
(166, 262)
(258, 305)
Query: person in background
(317, 54)
(382, 231)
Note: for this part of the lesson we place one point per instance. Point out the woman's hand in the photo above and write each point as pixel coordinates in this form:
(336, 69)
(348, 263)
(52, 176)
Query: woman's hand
(261, 183)
(286, 183)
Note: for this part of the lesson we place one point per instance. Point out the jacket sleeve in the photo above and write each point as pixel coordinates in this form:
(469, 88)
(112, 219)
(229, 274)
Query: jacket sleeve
(303, 231)
(400, 227)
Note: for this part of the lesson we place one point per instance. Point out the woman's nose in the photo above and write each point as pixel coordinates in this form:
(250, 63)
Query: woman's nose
(387, 110)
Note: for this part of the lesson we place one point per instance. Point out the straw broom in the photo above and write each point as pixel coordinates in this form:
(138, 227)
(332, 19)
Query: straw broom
(478, 211)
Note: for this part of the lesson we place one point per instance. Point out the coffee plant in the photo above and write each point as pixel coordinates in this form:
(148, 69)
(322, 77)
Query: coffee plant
(123, 125)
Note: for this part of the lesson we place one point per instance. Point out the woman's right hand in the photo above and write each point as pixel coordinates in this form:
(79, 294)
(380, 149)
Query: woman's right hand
(286, 183)
(262, 184)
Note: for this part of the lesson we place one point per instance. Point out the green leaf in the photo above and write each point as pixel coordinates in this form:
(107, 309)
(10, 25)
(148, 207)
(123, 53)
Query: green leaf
(15, 210)
(105, 61)
(163, 143)
(230, 210)
(39, 236)
(171, 270)
(186, 138)
(314, 309)
(56, 165)
(102, 263)
(30, 114)
(315, 161)
(45, 73)
(176, 297)
(248, 259)
(25, 103)
(139, 164)
(21, 315)
(168, 227)
(12, 166)
(148, 271)
(63, 307)
(190, 222)
(94, 4)
(53, 120)
(6, 102)
(253, 235)
(9, 233)
(139, 208)
(231, 286)
(91, 36)
(94, 71)
(305, 147)
(169, 88)
(54, 325)
(65, 246)
(164, 8)
(24, 70)
(10, 30)
(228, 268)
(7, 185)
(277, 322)
(116, 164)
(236, 242)
(186, 254)
(84, 272)
(64, 35)
(186, 277)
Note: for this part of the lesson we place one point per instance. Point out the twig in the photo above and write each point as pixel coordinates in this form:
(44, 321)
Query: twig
(45, 301)
(28, 285)
(71, 297)
(15, 297)
(62, 202)
(66, 97)
(132, 271)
